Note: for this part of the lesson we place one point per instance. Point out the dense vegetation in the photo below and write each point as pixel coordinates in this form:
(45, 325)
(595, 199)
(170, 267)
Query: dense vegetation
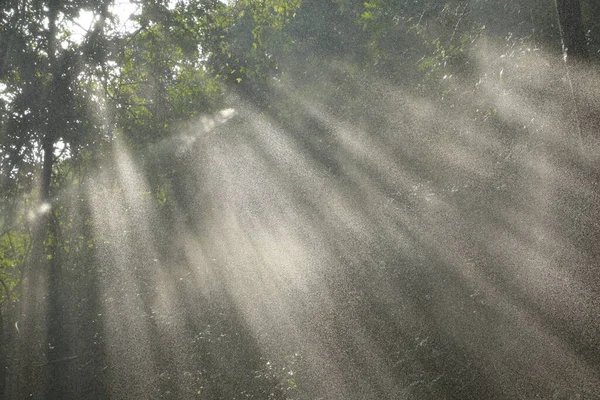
(299, 199)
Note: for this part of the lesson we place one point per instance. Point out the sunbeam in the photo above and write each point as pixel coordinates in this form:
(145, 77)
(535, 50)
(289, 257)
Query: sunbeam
(403, 222)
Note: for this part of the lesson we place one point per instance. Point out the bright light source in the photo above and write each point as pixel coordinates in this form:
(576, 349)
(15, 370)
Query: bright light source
(84, 23)
(81, 25)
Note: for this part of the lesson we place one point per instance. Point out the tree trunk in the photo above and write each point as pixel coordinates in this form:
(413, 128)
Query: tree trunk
(582, 78)
(571, 30)
(578, 211)
(32, 376)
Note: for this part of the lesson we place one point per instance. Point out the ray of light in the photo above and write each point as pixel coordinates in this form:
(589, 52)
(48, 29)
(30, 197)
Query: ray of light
(371, 251)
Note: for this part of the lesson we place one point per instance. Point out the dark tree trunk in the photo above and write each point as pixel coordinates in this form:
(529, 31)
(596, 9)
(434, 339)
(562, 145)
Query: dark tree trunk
(577, 212)
(571, 30)
(582, 78)
(33, 344)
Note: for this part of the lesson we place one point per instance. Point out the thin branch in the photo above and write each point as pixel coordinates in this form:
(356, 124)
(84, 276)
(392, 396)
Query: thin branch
(6, 290)
(57, 361)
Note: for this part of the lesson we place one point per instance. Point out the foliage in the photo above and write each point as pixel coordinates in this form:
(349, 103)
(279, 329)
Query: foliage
(160, 78)
(14, 248)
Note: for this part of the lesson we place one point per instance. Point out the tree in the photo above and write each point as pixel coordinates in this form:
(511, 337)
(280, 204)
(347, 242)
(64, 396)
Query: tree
(572, 30)
(582, 77)
(44, 105)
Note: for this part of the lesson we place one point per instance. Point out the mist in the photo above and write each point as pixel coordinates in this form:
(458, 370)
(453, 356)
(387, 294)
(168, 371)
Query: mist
(341, 235)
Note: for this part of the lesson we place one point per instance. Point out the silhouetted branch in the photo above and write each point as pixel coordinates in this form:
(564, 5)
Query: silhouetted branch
(6, 290)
